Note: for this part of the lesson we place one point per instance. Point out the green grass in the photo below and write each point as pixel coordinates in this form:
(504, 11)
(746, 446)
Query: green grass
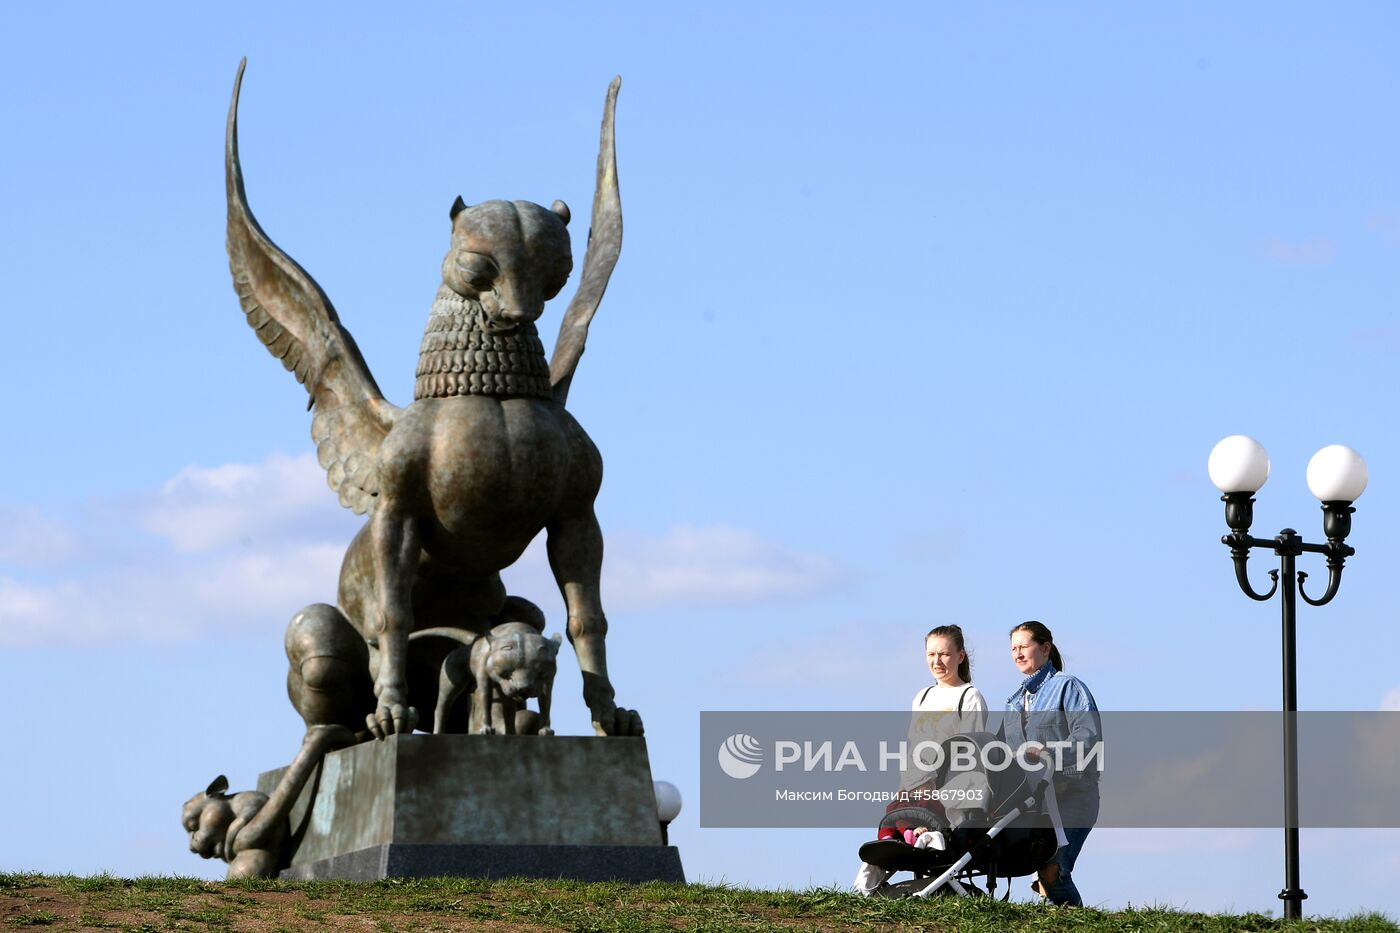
(33, 919)
(105, 902)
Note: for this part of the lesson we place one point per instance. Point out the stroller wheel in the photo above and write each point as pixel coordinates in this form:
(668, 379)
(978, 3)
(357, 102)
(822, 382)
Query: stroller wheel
(915, 885)
(901, 889)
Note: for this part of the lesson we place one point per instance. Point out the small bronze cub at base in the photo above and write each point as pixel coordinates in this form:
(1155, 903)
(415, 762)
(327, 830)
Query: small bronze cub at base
(502, 669)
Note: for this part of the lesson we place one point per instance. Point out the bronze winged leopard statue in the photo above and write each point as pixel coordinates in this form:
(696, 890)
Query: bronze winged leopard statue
(459, 482)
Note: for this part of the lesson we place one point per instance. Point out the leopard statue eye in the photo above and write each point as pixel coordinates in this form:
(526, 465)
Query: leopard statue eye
(478, 271)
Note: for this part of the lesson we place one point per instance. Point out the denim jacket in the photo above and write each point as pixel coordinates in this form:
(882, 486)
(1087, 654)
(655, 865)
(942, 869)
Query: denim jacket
(1061, 708)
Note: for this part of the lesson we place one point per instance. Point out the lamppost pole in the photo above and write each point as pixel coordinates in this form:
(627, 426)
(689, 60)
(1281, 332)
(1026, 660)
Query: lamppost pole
(1337, 475)
(1292, 893)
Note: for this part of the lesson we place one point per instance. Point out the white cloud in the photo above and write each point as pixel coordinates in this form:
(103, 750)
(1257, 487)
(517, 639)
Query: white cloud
(713, 566)
(1391, 700)
(279, 580)
(30, 537)
(690, 566)
(238, 546)
(202, 508)
(163, 597)
(245, 546)
(25, 607)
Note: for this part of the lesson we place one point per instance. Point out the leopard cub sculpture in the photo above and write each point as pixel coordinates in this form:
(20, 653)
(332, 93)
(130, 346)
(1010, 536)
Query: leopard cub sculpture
(249, 830)
(458, 483)
(499, 671)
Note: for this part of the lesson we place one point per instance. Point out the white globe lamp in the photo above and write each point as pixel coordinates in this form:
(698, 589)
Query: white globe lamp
(668, 806)
(1337, 474)
(1238, 464)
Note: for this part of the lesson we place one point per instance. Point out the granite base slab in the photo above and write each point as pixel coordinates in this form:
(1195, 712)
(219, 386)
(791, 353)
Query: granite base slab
(495, 806)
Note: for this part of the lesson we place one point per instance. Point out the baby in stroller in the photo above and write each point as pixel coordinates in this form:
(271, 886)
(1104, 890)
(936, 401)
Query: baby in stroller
(974, 818)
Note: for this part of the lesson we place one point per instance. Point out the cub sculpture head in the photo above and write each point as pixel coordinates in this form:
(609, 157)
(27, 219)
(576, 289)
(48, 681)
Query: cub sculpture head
(207, 817)
(519, 660)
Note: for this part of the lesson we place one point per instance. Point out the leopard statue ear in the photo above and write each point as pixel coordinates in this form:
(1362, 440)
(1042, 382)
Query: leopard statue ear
(558, 640)
(217, 786)
(562, 209)
(457, 207)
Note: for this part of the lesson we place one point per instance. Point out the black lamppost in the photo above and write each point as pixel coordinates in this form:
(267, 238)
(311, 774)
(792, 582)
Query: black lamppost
(1337, 476)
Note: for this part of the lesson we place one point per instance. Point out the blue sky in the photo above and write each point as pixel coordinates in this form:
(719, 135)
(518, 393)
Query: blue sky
(926, 313)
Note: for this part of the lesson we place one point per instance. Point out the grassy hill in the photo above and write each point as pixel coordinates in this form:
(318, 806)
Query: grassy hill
(156, 904)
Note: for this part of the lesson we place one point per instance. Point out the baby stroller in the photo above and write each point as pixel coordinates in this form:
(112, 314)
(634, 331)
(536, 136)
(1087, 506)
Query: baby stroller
(982, 822)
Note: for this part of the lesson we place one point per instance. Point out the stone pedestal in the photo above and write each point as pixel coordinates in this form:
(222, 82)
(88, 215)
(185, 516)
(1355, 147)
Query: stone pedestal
(490, 806)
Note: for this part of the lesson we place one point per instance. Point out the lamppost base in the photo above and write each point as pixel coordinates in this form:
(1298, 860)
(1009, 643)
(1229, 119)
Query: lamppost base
(1292, 902)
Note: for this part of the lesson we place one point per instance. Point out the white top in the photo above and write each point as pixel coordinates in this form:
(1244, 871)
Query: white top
(937, 719)
(940, 698)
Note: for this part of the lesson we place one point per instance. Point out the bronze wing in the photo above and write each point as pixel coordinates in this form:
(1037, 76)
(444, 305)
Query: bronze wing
(296, 322)
(604, 245)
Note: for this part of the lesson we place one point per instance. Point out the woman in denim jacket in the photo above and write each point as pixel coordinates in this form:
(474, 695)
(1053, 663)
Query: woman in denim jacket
(1054, 709)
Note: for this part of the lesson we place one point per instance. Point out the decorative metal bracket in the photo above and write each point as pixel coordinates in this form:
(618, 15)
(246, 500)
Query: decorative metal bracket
(1336, 524)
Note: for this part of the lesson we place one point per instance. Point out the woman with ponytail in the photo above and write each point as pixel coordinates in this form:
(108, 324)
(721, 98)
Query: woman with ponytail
(1051, 706)
(949, 706)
